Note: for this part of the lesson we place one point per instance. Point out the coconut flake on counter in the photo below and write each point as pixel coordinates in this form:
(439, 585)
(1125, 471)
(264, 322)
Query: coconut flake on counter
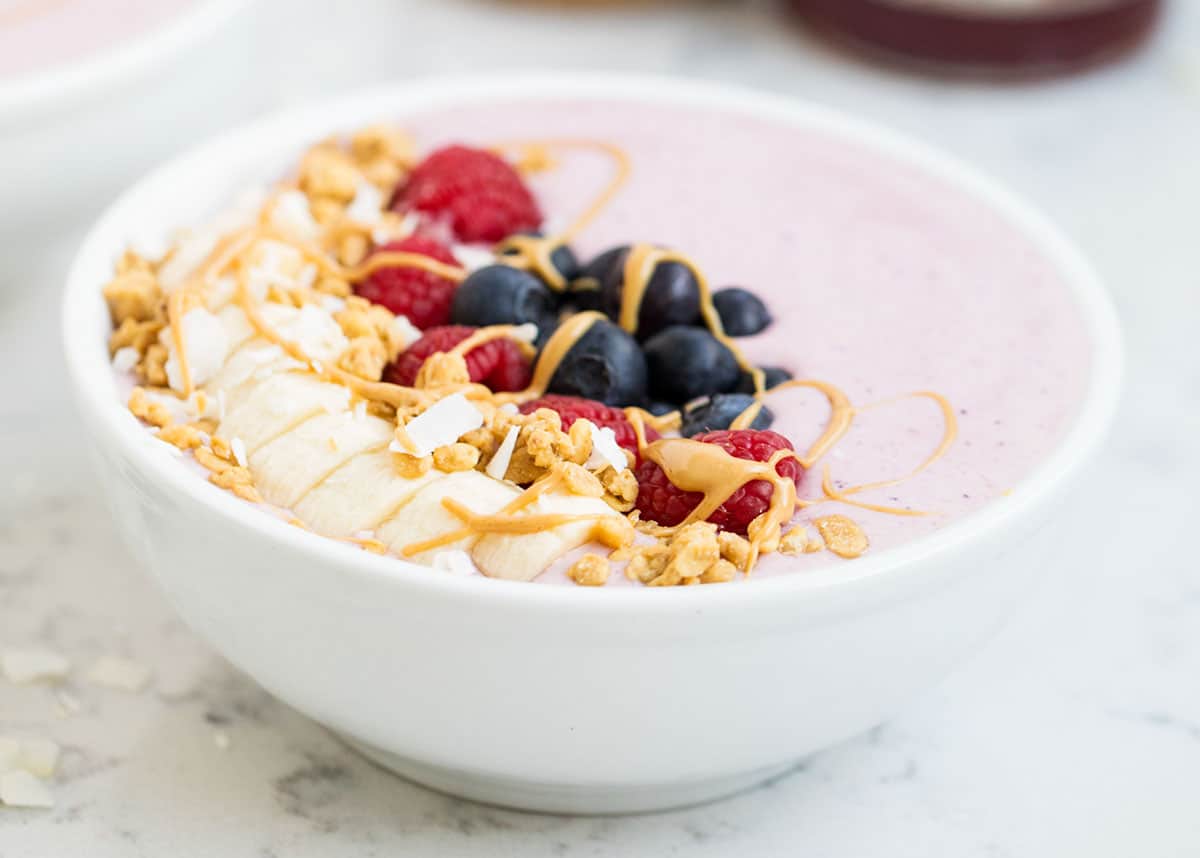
(37, 756)
(21, 789)
(606, 452)
(292, 216)
(23, 666)
(125, 359)
(498, 466)
(120, 674)
(440, 424)
(206, 343)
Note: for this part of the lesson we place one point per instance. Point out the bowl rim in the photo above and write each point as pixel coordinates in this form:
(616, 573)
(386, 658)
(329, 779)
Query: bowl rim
(92, 381)
(34, 93)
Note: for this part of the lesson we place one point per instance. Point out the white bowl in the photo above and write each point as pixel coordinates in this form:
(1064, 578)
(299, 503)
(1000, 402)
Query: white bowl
(550, 698)
(72, 135)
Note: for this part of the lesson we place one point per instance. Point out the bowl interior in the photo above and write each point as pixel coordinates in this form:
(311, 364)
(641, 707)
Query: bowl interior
(816, 211)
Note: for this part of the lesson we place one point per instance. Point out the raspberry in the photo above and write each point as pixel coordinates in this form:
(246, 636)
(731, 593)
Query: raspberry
(498, 364)
(423, 297)
(572, 408)
(660, 501)
(477, 192)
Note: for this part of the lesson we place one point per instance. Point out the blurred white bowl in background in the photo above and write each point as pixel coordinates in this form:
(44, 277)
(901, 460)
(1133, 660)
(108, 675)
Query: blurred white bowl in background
(74, 131)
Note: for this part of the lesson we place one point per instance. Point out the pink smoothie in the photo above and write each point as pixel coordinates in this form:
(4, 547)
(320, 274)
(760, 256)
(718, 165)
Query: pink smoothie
(39, 35)
(883, 281)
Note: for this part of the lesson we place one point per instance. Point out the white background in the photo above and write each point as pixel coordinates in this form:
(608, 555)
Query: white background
(1077, 733)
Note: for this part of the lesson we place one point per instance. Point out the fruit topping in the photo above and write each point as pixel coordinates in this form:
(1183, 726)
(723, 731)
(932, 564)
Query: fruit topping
(572, 408)
(773, 376)
(584, 289)
(660, 501)
(671, 296)
(562, 259)
(742, 312)
(497, 363)
(420, 295)
(502, 295)
(721, 410)
(476, 192)
(686, 363)
(605, 364)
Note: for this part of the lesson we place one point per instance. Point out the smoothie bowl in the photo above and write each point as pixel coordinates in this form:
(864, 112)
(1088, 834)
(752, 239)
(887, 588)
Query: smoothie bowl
(428, 407)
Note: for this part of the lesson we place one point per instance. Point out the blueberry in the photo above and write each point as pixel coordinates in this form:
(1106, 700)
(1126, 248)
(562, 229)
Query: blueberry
(658, 409)
(772, 377)
(718, 412)
(605, 364)
(502, 295)
(672, 297)
(584, 290)
(686, 363)
(742, 312)
(561, 257)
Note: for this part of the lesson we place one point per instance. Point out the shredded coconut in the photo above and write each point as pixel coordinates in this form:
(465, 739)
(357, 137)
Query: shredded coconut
(119, 673)
(23, 666)
(442, 423)
(498, 466)
(238, 446)
(125, 359)
(21, 789)
(606, 452)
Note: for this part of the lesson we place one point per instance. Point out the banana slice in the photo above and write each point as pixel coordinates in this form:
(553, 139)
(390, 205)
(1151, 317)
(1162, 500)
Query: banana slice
(524, 556)
(254, 361)
(424, 517)
(359, 495)
(288, 467)
(278, 403)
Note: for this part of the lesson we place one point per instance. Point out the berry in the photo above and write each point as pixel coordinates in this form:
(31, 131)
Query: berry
(562, 258)
(499, 364)
(605, 364)
(660, 501)
(584, 289)
(658, 409)
(719, 411)
(503, 295)
(420, 295)
(686, 363)
(742, 312)
(773, 376)
(672, 297)
(572, 408)
(476, 192)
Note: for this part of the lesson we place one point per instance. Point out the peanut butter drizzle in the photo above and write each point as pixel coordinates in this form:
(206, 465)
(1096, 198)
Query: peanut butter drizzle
(556, 348)
(639, 268)
(533, 253)
(494, 332)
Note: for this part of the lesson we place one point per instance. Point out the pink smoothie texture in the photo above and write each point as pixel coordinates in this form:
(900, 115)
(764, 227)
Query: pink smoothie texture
(40, 35)
(883, 281)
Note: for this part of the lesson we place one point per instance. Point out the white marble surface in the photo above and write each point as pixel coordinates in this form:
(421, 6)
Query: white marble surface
(1077, 733)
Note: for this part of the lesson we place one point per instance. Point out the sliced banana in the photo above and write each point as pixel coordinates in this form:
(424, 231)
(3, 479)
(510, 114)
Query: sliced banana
(299, 459)
(253, 362)
(278, 403)
(524, 556)
(424, 517)
(359, 495)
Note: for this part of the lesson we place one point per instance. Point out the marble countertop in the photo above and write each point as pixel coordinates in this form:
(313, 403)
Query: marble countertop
(1076, 733)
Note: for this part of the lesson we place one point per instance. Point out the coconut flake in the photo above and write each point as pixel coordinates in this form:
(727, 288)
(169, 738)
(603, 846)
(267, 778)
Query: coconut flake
(473, 257)
(23, 666)
(526, 333)
(21, 789)
(238, 447)
(498, 466)
(331, 303)
(292, 217)
(367, 205)
(119, 673)
(606, 452)
(10, 753)
(456, 562)
(206, 342)
(125, 359)
(405, 331)
(443, 423)
(312, 328)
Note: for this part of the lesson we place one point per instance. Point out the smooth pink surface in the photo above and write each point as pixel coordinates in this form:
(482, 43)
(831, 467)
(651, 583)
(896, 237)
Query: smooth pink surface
(37, 35)
(883, 281)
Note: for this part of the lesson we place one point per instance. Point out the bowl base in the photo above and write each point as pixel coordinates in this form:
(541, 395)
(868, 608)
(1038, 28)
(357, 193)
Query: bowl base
(564, 798)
